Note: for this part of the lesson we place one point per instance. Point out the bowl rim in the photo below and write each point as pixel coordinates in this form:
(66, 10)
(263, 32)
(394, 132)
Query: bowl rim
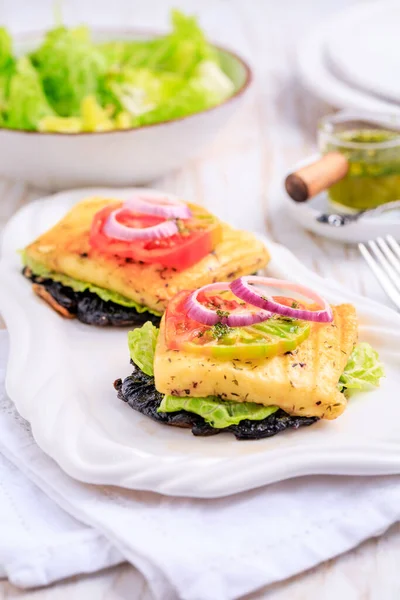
(18, 37)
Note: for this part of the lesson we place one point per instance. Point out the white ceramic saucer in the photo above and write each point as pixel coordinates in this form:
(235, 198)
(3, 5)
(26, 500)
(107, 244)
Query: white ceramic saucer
(365, 229)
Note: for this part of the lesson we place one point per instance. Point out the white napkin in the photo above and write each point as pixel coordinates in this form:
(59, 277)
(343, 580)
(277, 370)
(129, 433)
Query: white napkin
(39, 542)
(191, 549)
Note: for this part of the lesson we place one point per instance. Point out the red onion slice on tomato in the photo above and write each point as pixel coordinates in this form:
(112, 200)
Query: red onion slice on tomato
(159, 207)
(207, 316)
(118, 231)
(242, 289)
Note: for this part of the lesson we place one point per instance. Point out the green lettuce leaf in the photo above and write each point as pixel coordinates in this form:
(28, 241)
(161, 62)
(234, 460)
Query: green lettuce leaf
(166, 78)
(71, 84)
(7, 65)
(211, 81)
(135, 53)
(139, 91)
(6, 54)
(179, 52)
(70, 66)
(363, 370)
(218, 413)
(26, 102)
(186, 46)
(142, 346)
(81, 286)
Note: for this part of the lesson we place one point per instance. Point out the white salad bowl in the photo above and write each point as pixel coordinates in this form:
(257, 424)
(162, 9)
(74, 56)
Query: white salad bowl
(54, 161)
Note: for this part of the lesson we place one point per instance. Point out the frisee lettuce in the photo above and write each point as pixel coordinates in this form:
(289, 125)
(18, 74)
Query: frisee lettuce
(81, 286)
(71, 84)
(363, 370)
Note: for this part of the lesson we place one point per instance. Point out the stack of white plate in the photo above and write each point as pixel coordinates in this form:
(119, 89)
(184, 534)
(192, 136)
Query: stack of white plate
(353, 61)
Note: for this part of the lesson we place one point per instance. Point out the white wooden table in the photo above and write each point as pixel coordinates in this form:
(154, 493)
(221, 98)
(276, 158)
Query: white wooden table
(276, 128)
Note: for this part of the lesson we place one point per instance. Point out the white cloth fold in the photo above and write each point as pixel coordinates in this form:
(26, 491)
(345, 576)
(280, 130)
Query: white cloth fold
(191, 549)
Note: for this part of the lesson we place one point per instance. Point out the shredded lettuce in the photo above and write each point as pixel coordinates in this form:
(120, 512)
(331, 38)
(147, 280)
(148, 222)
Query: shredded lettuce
(71, 84)
(218, 413)
(142, 346)
(363, 370)
(81, 286)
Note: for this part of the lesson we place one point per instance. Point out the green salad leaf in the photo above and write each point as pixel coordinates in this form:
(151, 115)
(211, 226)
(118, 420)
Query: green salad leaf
(139, 91)
(69, 65)
(26, 101)
(71, 84)
(185, 47)
(106, 295)
(81, 286)
(142, 346)
(6, 55)
(218, 413)
(7, 64)
(207, 87)
(363, 370)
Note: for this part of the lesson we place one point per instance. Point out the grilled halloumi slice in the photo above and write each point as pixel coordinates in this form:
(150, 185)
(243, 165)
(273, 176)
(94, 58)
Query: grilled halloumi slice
(65, 249)
(302, 383)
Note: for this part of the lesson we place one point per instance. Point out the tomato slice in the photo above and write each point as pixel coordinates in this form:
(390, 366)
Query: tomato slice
(197, 237)
(269, 338)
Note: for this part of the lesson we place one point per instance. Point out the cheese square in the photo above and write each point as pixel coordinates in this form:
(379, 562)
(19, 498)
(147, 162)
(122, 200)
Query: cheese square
(65, 249)
(302, 383)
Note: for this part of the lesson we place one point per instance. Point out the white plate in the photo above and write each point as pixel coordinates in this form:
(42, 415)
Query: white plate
(306, 213)
(60, 375)
(362, 46)
(318, 78)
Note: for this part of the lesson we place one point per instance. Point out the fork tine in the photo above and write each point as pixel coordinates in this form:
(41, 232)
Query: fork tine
(394, 245)
(381, 276)
(385, 264)
(392, 258)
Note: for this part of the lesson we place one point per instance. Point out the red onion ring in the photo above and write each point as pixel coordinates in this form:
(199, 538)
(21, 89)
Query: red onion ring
(241, 288)
(118, 231)
(159, 207)
(198, 312)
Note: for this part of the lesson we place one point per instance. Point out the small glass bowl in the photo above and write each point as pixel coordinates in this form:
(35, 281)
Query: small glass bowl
(371, 143)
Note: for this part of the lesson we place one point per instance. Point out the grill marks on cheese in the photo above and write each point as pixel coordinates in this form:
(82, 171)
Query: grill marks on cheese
(65, 249)
(302, 383)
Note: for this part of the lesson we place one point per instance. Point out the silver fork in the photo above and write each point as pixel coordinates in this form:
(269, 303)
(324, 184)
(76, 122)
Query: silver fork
(383, 257)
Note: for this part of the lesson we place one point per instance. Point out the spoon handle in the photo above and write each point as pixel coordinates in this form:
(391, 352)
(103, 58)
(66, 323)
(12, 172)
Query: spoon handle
(340, 219)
